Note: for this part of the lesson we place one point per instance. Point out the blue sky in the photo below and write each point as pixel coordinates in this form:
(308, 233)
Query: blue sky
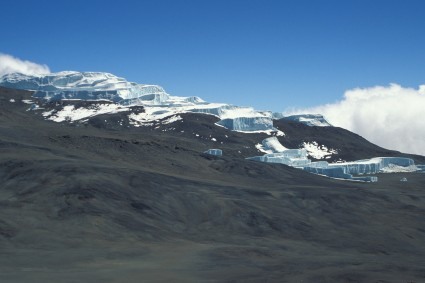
(268, 54)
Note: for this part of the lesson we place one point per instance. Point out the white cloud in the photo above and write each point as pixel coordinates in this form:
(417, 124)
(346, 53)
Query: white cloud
(391, 116)
(10, 64)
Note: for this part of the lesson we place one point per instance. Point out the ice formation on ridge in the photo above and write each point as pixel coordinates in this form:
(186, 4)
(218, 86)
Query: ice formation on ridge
(308, 119)
(276, 153)
(84, 85)
(99, 86)
(214, 151)
(270, 145)
(157, 103)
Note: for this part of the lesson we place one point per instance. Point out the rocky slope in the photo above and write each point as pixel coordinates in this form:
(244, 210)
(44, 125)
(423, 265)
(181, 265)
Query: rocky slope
(97, 201)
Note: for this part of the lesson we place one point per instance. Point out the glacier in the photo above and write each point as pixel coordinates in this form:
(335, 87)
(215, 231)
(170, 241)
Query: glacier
(298, 158)
(84, 85)
(374, 165)
(239, 118)
(243, 124)
(277, 153)
(270, 145)
(214, 151)
(290, 157)
(311, 120)
(158, 104)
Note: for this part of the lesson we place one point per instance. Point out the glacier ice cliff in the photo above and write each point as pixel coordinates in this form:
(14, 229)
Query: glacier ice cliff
(298, 158)
(84, 85)
(375, 165)
(308, 119)
(158, 104)
(290, 157)
(214, 151)
(244, 124)
(279, 154)
(237, 118)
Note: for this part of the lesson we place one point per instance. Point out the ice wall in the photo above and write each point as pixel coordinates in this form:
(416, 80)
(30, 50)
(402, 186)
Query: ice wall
(214, 151)
(84, 85)
(298, 158)
(238, 118)
(361, 167)
(290, 157)
(247, 124)
(218, 111)
(374, 165)
(105, 86)
(307, 119)
(338, 173)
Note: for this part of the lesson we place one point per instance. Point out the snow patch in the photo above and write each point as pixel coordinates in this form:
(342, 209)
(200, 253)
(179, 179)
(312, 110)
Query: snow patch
(393, 168)
(270, 145)
(311, 120)
(277, 133)
(318, 151)
(260, 147)
(48, 113)
(172, 119)
(71, 114)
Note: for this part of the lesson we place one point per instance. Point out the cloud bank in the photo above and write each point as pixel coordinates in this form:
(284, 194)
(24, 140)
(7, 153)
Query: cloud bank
(389, 116)
(10, 64)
